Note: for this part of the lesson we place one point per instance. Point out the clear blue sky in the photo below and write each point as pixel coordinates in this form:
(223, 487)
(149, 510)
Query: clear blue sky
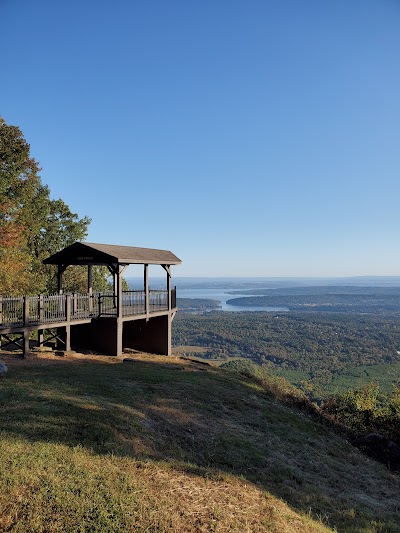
(251, 138)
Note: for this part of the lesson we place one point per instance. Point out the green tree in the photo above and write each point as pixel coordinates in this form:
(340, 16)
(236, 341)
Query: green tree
(75, 279)
(32, 225)
(356, 408)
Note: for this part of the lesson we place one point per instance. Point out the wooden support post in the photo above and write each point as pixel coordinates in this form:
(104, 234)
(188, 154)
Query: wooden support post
(167, 269)
(112, 270)
(40, 316)
(68, 324)
(115, 288)
(60, 271)
(146, 292)
(121, 270)
(169, 334)
(73, 304)
(26, 310)
(119, 293)
(169, 287)
(26, 323)
(171, 314)
(90, 288)
(119, 331)
(174, 298)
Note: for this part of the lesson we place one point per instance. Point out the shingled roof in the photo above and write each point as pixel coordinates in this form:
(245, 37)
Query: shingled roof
(88, 253)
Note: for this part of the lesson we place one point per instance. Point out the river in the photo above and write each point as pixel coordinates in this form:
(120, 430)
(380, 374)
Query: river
(222, 296)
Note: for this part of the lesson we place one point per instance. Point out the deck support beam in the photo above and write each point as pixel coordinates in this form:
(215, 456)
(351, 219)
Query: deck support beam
(167, 269)
(169, 334)
(26, 323)
(90, 287)
(146, 292)
(90, 280)
(41, 316)
(60, 271)
(14, 342)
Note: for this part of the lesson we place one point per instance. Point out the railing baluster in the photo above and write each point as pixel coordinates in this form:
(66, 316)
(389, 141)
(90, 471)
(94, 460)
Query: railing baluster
(26, 310)
(51, 308)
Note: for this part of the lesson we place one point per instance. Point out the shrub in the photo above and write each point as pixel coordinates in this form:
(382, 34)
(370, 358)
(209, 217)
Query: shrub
(355, 408)
(365, 410)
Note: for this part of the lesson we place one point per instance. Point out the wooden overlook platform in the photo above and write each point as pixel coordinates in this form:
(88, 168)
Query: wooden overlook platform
(107, 322)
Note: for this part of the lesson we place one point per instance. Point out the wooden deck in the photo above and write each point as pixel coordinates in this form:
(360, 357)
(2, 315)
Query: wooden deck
(25, 314)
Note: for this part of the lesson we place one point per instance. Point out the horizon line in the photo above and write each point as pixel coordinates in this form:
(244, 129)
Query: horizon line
(285, 277)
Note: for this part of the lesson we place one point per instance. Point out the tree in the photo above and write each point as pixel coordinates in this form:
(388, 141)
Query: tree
(32, 225)
(15, 263)
(75, 279)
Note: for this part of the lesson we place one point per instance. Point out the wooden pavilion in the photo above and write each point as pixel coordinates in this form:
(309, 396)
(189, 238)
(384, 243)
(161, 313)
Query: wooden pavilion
(108, 322)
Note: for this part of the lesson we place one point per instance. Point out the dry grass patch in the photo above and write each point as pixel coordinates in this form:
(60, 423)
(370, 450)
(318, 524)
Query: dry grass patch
(56, 488)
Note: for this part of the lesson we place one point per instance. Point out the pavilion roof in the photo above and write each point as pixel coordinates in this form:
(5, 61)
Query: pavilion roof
(88, 253)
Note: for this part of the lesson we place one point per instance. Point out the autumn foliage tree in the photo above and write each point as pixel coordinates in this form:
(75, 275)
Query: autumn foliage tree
(32, 225)
(15, 263)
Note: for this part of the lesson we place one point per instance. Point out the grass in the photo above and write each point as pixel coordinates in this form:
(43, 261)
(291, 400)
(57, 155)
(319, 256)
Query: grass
(162, 444)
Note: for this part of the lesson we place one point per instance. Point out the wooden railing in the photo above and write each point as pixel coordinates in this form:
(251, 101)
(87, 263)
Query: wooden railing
(53, 308)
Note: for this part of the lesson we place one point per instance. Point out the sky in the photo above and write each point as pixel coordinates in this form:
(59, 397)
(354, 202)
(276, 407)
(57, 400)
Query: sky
(251, 138)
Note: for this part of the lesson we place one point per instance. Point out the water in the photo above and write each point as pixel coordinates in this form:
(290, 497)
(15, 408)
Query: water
(222, 296)
(218, 288)
(212, 289)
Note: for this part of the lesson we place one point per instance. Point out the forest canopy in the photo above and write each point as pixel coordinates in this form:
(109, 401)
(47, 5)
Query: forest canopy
(33, 225)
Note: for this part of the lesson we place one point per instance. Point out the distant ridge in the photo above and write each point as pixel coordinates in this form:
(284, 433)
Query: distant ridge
(272, 282)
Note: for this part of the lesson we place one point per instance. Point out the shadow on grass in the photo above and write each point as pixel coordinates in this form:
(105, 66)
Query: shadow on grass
(202, 421)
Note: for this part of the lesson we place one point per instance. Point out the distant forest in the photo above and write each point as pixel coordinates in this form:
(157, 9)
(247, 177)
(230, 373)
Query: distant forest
(309, 349)
(196, 304)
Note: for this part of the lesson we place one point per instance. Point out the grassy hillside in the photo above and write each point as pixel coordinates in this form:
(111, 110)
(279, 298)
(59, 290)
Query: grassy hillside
(161, 444)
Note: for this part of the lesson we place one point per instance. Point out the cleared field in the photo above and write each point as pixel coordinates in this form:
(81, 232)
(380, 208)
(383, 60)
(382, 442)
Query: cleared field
(383, 375)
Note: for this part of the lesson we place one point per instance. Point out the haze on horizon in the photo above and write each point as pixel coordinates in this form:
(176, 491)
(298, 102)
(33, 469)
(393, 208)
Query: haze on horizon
(250, 138)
